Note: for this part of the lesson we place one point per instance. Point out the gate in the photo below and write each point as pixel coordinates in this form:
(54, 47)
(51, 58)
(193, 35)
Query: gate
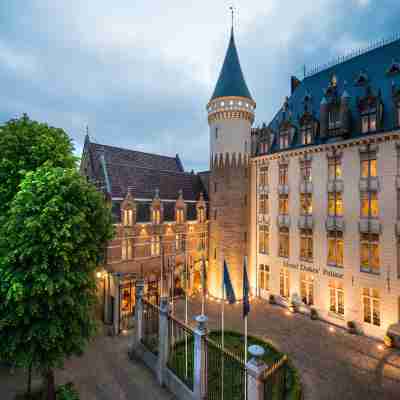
(226, 373)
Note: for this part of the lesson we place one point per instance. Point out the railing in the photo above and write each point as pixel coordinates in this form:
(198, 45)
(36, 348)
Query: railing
(181, 351)
(151, 317)
(226, 372)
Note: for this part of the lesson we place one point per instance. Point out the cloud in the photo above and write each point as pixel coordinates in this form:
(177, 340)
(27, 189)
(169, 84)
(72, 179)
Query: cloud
(140, 73)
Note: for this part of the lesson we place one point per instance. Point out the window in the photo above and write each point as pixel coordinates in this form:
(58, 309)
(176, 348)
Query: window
(306, 245)
(215, 253)
(283, 242)
(180, 242)
(263, 176)
(307, 134)
(284, 283)
(371, 306)
(336, 296)
(305, 170)
(263, 277)
(334, 168)
(128, 217)
(283, 174)
(155, 245)
(369, 166)
(263, 147)
(216, 133)
(368, 121)
(369, 253)
(284, 139)
(335, 204)
(369, 205)
(307, 289)
(334, 119)
(306, 204)
(283, 204)
(215, 187)
(335, 249)
(126, 249)
(202, 241)
(264, 239)
(201, 214)
(215, 214)
(156, 216)
(264, 204)
(180, 215)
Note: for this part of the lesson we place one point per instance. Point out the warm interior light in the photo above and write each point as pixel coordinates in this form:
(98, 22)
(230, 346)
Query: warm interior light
(332, 329)
(287, 312)
(380, 347)
(98, 274)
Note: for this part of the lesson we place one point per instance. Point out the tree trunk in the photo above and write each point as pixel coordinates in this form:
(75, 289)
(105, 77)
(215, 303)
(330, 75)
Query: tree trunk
(51, 389)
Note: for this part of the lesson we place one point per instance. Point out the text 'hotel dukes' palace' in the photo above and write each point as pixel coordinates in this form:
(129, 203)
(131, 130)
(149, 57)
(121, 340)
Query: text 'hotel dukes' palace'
(312, 198)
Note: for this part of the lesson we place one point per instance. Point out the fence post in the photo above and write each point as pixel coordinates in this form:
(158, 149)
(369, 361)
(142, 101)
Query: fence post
(255, 372)
(200, 373)
(163, 345)
(138, 332)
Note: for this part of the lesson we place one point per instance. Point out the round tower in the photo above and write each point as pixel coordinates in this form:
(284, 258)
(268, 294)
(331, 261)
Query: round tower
(230, 116)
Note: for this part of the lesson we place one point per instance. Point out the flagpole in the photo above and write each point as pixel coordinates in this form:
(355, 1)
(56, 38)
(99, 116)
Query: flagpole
(222, 328)
(186, 311)
(203, 305)
(245, 356)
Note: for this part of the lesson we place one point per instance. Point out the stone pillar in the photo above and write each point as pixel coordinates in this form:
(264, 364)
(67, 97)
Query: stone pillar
(116, 310)
(200, 374)
(163, 345)
(138, 332)
(255, 372)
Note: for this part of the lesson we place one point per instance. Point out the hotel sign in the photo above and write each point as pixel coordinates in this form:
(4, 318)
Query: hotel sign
(302, 267)
(332, 274)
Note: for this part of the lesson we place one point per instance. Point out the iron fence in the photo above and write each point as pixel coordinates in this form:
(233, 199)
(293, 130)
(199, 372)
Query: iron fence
(181, 351)
(226, 373)
(151, 319)
(276, 380)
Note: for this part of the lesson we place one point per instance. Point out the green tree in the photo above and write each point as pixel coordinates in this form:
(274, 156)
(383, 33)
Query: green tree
(56, 227)
(26, 145)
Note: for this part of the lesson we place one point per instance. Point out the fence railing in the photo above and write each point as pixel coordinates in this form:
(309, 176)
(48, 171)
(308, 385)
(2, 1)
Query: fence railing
(276, 380)
(151, 318)
(181, 351)
(226, 372)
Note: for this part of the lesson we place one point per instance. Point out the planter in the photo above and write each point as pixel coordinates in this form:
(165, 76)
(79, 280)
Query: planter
(352, 328)
(313, 314)
(272, 299)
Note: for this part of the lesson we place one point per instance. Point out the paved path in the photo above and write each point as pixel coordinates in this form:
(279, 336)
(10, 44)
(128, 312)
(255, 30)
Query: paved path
(104, 372)
(333, 365)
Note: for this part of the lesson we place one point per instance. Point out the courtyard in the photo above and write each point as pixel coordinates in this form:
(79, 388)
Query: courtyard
(332, 363)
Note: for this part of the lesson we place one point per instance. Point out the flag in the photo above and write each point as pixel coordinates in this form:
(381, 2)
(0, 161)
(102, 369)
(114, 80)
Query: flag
(230, 294)
(246, 303)
(204, 276)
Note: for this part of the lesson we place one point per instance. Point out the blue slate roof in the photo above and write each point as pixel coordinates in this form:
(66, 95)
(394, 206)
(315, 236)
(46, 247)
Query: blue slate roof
(231, 81)
(354, 76)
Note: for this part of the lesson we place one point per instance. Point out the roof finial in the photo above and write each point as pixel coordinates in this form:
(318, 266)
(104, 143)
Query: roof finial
(232, 14)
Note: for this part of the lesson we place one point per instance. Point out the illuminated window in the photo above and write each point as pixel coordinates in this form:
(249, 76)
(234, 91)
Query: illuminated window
(284, 139)
(201, 214)
(156, 216)
(180, 215)
(180, 242)
(369, 253)
(371, 306)
(283, 250)
(334, 168)
(155, 245)
(264, 204)
(126, 249)
(306, 204)
(305, 170)
(369, 205)
(369, 166)
(307, 134)
(263, 178)
(336, 296)
(307, 288)
(128, 217)
(263, 277)
(335, 204)
(263, 239)
(333, 120)
(284, 283)
(202, 241)
(283, 174)
(368, 121)
(283, 204)
(306, 245)
(335, 249)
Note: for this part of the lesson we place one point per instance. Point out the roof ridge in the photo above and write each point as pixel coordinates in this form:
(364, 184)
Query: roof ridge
(151, 169)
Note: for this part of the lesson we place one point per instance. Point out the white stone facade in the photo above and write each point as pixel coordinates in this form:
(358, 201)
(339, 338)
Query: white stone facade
(349, 279)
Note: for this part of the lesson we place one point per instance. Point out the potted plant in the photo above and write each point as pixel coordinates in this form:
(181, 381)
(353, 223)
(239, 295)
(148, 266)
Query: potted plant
(352, 327)
(388, 341)
(294, 307)
(313, 313)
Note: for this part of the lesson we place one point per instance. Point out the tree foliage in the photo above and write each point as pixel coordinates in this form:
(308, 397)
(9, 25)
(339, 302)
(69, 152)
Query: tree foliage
(56, 227)
(26, 145)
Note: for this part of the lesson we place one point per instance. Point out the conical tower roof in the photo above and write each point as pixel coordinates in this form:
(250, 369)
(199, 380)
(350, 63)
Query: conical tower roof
(231, 81)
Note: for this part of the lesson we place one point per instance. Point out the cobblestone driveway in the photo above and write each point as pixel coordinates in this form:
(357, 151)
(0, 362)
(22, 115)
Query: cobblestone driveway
(333, 365)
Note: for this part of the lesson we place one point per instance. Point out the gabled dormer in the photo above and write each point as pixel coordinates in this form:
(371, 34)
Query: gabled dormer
(156, 209)
(370, 108)
(201, 209)
(128, 210)
(180, 209)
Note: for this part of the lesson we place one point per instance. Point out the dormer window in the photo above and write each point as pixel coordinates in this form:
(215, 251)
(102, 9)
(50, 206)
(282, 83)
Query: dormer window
(180, 217)
(284, 139)
(201, 215)
(368, 121)
(156, 216)
(263, 147)
(307, 134)
(128, 217)
(333, 119)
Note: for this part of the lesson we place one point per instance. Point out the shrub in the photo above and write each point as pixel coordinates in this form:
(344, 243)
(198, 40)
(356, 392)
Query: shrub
(67, 392)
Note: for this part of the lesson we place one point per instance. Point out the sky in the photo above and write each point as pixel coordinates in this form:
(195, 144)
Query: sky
(140, 73)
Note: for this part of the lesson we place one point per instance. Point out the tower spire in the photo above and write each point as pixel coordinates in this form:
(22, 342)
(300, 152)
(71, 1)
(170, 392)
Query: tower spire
(232, 15)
